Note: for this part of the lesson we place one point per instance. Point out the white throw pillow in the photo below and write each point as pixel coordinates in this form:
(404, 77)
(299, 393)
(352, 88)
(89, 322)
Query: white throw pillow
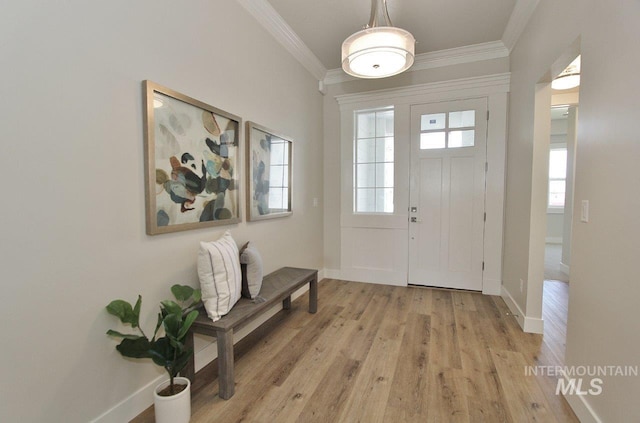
(220, 275)
(252, 277)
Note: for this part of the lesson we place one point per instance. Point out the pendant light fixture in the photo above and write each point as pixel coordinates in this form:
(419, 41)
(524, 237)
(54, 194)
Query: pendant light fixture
(568, 78)
(380, 49)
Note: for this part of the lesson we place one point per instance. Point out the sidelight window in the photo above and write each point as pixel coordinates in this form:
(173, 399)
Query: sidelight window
(373, 161)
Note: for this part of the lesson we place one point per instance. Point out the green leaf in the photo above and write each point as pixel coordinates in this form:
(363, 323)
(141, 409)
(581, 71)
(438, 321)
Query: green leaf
(134, 348)
(158, 324)
(197, 296)
(120, 309)
(171, 307)
(123, 310)
(188, 321)
(122, 335)
(172, 324)
(182, 292)
(161, 352)
(136, 311)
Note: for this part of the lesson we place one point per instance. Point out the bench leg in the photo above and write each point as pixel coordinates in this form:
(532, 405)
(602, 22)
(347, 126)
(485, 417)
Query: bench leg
(313, 295)
(286, 303)
(189, 371)
(226, 380)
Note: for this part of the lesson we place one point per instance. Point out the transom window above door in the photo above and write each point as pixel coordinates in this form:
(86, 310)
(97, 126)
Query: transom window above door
(448, 130)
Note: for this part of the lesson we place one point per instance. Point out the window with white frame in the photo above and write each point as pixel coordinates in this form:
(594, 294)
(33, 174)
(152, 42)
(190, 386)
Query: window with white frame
(557, 177)
(373, 163)
(448, 130)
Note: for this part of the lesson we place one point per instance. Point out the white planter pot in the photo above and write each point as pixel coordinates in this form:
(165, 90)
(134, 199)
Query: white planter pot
(176, 408)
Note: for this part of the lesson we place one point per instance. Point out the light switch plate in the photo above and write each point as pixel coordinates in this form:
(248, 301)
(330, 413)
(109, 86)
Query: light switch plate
(584, 213)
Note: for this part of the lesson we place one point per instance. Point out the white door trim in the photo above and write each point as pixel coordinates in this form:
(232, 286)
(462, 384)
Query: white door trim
(446, 241)
(495, 88)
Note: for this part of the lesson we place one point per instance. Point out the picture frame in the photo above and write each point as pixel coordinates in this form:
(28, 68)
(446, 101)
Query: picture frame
(192, 162)
(269, 161)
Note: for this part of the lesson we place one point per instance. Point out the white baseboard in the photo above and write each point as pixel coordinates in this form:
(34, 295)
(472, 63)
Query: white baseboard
(127, 409)
(564, 268)
(490, 286)
(331, 273)
(528, 324)
(376, 276)
(136, 403)
(581, 407)
(553, 240)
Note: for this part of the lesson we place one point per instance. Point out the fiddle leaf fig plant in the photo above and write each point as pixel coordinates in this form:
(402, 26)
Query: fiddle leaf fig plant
(174, 317)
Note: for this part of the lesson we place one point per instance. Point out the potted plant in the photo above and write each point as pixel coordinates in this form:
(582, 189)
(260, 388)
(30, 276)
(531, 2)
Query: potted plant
(172, 399)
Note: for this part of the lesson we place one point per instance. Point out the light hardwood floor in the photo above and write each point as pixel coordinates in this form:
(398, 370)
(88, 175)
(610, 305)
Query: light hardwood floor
(555, 308)
(377, 353)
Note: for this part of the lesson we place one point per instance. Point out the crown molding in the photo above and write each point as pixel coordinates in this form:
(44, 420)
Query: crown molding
(267, 16)
(522, 12)
(480, 85)
(437, 59)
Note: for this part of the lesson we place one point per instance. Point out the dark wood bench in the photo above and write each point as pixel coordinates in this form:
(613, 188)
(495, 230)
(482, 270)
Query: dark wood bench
(277, 286)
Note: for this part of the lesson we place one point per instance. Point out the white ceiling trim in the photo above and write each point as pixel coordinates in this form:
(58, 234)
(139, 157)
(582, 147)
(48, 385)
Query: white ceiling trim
(271, 20)
(476, 86)
(522, 12)
(436, 59)
(267, 16)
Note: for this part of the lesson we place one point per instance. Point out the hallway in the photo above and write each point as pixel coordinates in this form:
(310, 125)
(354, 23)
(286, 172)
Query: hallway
(555, 302)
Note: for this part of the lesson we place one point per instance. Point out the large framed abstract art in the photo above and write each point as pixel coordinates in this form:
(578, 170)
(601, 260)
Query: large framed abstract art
(191, 162)
(269, 165)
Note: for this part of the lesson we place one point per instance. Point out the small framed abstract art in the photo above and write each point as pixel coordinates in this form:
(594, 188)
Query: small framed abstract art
(269, 164)
(191, 162)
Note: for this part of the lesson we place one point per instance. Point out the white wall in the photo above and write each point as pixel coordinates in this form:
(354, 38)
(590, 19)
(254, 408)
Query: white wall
(73, 230)
(554, 228)
(602, 325)
(567, 225)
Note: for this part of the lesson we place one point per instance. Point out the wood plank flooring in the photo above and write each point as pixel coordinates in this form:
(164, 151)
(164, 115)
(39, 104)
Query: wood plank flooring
(555, 308)
(376, 353)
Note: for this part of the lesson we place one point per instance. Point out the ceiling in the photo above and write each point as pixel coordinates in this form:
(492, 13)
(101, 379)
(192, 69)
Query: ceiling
(436, 24)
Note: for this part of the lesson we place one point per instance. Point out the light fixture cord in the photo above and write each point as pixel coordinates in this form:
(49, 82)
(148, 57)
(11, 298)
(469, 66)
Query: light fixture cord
(379, 14)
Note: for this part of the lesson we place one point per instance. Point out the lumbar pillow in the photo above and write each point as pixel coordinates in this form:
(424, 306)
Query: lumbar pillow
(220, 276)
(252, 276)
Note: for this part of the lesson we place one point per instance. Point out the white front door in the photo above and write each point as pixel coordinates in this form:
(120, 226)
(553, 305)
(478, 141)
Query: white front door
(447, 190)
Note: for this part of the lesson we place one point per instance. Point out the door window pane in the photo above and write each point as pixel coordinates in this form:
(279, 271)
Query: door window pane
(431, 140)
(431, 122)
(462, 119)
(461, 138)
